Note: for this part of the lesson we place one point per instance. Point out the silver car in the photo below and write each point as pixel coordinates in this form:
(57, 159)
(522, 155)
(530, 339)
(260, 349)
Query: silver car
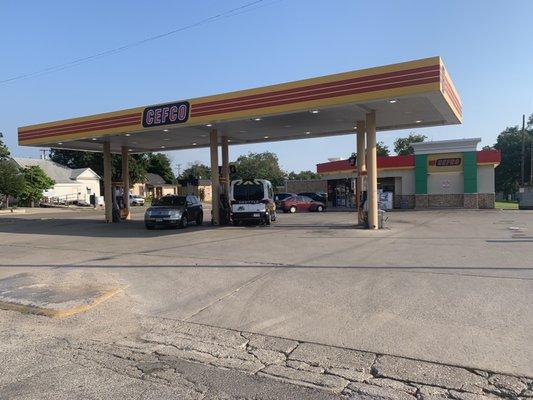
(174, 211)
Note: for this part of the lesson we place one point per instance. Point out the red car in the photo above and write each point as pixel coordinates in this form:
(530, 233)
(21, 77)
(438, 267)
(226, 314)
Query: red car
(301, 203)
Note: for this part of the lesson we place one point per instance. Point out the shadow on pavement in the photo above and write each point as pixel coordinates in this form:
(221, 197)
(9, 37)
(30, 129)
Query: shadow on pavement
(135, 228)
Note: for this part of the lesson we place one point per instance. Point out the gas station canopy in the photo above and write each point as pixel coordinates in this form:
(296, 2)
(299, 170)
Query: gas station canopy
(405, 95)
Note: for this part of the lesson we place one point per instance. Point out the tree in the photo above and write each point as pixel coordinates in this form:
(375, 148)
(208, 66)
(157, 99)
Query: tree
(303, 176)
(403, 146)
(4, 151)
(35, 183)
(196, 170)
(508, 173)
(382, 149)
(11, 180)
(158, 163)
(95, 161)
(259, 166)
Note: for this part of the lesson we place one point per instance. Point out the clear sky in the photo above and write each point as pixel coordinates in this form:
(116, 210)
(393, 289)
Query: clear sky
(487, 47)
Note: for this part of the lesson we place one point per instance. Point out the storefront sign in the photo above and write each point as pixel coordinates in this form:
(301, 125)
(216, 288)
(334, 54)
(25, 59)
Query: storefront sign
(166, 114)
(450, 162)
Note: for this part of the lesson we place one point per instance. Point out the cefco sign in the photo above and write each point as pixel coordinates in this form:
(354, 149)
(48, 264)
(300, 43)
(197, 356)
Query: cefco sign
(446, 162)
(166, 114)
(451, 162)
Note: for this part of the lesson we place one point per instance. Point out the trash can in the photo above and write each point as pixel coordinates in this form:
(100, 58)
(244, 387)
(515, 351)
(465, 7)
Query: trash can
(382, 217)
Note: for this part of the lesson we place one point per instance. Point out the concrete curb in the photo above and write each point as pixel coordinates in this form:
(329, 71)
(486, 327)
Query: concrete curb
(59, 313)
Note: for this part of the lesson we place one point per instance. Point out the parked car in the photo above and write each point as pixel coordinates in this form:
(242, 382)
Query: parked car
(278, 198)
(136, 200)
(252, 200)
(301, 203)
(175, 211)
(320, 197)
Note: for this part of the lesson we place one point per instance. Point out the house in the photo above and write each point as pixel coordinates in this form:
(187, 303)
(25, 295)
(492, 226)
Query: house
(70, 184)
(154, 186)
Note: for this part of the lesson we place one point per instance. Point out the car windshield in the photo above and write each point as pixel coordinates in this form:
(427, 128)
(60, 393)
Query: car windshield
(248, 192)
(169, 201)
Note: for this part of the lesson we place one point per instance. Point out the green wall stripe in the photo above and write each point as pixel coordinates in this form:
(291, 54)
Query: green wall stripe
(421, 173)
(470, 172)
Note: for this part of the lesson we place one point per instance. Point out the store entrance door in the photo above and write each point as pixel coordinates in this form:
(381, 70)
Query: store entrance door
(341, 193)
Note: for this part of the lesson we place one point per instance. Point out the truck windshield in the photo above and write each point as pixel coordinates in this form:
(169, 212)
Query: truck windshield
(169, 201)
(248, 192)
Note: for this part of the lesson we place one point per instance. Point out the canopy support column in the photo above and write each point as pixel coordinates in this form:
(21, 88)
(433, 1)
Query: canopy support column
(372, 170)
(361, 168)
(225, 165)
(215, 185)
(108, 195)
(126, 180)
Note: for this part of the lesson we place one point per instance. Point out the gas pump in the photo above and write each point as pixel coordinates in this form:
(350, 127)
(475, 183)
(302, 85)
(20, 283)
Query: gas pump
(224, 205)
(119, 199)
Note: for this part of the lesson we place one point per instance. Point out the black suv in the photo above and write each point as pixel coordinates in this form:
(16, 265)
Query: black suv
(176, 211)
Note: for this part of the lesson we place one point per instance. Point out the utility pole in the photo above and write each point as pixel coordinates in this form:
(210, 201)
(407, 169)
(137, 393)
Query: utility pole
(522, 166)
(531, 163)
(530, 160)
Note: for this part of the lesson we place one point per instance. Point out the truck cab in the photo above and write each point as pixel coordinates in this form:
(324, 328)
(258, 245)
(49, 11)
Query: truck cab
(252, 200)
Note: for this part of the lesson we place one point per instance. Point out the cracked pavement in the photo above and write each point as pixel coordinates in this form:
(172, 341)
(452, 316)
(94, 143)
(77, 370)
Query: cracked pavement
(177, 359)
(439, 306)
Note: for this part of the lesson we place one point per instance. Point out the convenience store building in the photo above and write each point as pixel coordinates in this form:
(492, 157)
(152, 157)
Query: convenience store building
(440, 174)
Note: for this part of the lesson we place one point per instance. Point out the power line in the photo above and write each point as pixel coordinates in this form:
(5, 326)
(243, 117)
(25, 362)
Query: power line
(251, 6)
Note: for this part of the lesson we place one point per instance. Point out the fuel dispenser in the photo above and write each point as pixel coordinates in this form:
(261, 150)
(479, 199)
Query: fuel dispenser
(120, 212)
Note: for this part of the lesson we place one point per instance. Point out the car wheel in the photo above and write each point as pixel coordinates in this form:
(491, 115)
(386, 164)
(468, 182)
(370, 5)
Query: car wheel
(320, 208)
(235, 223)
(183, 222)
(200, 219)
(292, 210)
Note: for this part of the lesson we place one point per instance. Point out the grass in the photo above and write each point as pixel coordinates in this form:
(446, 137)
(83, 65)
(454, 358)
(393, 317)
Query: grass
(506, 205)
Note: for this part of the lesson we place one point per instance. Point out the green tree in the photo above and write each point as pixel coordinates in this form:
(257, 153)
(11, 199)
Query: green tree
(196, 170)
(4, 151)
(259, 166)
(403, 146)
(84, 159)
(508, 173)
(35, 183)
(382, 149)
(136, 167)
(11, 180)
(303, 176)
(160, 164)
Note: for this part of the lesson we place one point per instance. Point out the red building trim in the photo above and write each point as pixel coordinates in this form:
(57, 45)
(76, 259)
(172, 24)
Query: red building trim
(488, 156)
(392, 162)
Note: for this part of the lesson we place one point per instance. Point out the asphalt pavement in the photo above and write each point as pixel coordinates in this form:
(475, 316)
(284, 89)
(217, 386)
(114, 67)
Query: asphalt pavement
(447, 286)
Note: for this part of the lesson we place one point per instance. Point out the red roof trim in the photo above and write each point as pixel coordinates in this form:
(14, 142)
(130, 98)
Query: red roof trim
(383, 162)
(482, 157)
(488, 156)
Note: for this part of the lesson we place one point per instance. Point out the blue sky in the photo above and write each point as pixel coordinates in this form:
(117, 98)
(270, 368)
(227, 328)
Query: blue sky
(486, 46)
